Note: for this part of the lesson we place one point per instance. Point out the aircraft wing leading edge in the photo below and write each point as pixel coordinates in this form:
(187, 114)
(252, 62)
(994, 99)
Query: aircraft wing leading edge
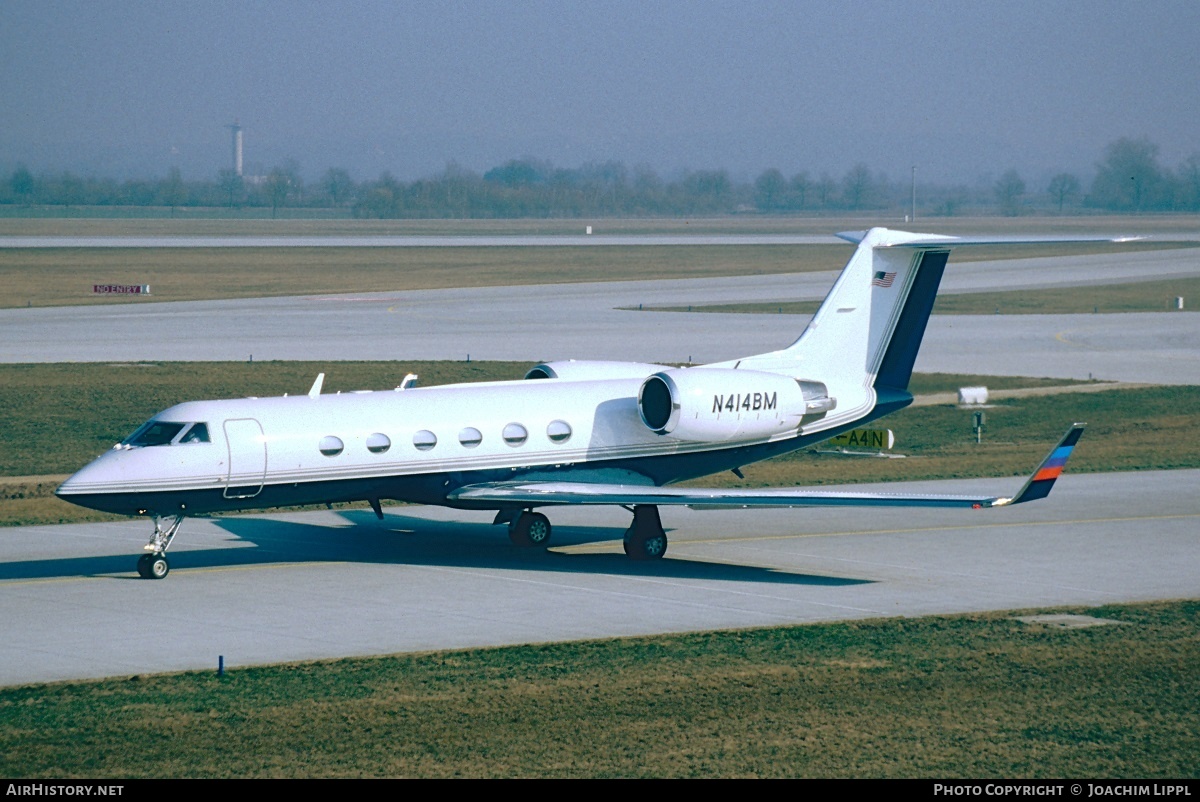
(1037, 486)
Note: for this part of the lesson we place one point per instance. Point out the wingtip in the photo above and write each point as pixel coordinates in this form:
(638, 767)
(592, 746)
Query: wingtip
(1042, 481)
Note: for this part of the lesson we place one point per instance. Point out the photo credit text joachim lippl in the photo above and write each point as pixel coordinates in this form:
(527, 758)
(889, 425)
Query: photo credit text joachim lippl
(1068, 789)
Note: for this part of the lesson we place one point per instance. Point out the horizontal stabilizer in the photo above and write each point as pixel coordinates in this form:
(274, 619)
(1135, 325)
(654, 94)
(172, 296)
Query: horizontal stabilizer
(550, 493)
(908, 240)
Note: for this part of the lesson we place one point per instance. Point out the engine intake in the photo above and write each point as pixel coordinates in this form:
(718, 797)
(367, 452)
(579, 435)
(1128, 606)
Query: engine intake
(588, 370)
(718, 404)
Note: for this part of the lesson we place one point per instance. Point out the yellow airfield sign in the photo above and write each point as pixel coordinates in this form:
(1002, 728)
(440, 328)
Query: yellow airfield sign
(865, 438)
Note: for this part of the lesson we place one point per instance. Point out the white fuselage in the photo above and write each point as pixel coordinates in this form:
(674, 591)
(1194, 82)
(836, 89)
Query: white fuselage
(266, 451)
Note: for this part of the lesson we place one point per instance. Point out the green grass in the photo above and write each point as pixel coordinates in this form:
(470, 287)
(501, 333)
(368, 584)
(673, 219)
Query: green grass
(1145, 296)
(1148, 428)
(946, 697)
(931, 383)
(100, 404)
(55, 418)
(1142, 296)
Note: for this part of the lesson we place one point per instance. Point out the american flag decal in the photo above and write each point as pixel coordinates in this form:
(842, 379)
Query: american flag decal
(883, 279)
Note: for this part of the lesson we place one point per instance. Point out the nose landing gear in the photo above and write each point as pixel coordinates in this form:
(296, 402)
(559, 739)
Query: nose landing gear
(155, 565)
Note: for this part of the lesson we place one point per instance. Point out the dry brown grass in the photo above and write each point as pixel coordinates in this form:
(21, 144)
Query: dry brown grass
(1160, 226)
(64, 276)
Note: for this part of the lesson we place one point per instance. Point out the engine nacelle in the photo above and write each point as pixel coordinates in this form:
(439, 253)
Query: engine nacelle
(592, 369)
(718, 404)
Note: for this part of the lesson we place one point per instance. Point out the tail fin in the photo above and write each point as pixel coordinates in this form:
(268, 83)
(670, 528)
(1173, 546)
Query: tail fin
(863, 341)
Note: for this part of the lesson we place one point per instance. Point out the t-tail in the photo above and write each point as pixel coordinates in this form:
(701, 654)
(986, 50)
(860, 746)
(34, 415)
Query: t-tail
(863, 341)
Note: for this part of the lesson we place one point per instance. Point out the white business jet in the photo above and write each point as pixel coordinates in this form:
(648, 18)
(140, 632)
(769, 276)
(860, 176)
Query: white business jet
(569, 433)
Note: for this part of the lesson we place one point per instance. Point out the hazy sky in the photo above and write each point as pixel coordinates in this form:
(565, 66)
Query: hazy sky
(961, 89)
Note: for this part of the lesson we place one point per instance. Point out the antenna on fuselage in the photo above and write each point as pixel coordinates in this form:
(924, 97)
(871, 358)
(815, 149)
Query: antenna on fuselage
(315, 390)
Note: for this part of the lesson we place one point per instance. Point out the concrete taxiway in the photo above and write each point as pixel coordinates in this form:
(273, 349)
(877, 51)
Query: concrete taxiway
(259, 589)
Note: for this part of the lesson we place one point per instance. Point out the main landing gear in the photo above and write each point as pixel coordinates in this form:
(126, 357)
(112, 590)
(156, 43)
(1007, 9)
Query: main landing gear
(644, 539)
(154, 565)
(529, 529)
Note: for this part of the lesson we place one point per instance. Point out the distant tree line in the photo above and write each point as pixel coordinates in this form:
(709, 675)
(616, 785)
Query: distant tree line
(1129, 178)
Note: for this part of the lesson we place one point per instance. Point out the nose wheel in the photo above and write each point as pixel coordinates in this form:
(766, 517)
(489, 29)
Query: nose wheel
(154, 565)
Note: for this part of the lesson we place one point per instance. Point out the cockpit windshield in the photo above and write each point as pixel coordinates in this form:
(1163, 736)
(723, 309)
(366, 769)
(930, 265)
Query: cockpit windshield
(164, 433)
(197, 434)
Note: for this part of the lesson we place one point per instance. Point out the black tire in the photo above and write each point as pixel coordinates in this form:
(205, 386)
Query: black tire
(159, 567)
(643, 545)
(532, 529)
(143, 566)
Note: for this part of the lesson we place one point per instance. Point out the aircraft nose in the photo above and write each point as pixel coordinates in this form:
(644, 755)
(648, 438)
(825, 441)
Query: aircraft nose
(82, 480)
(93, 486)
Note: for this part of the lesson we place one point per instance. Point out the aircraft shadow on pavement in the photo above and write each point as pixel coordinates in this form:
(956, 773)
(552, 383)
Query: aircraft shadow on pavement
(410, 540)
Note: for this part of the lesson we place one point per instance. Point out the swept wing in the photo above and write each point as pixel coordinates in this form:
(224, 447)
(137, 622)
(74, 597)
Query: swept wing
(544, 493)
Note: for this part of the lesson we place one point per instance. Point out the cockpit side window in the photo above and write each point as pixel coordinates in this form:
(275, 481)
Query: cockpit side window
(197, 434)
(155, 433)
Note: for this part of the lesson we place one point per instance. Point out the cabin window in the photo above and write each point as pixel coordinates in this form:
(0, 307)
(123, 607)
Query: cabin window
(424, 440)
(155, 433)
(197, 434)
(470, 437)
(331, 446)
(515, 434)
(378, 443)
(559, 431)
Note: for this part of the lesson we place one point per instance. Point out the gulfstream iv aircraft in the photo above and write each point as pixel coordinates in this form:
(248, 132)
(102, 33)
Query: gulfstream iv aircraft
(569, 433)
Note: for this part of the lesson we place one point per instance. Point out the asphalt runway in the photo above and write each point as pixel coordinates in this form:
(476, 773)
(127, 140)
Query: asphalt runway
(299, 586)
(595, 321)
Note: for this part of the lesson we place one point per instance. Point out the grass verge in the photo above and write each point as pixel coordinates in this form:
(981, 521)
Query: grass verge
(1146, 428)
(220, 222)
(64, 276)
(1142, 296)
(946, 697)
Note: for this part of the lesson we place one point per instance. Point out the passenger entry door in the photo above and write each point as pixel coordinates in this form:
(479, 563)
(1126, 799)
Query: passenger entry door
(247, 458)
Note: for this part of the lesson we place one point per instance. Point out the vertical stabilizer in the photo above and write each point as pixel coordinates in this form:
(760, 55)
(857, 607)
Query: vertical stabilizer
(866, 334)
